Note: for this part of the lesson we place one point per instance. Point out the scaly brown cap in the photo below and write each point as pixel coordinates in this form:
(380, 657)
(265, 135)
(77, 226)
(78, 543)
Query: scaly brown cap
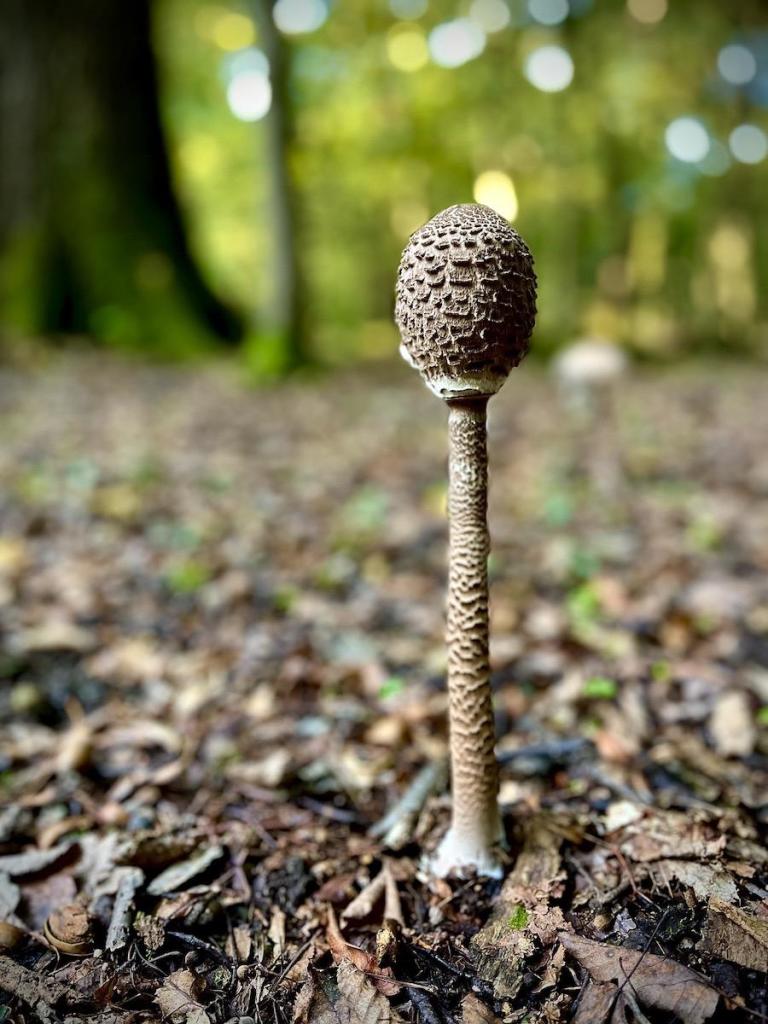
(466, 301)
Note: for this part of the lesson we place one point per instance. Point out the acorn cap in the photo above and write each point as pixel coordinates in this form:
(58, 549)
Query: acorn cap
(466, 301)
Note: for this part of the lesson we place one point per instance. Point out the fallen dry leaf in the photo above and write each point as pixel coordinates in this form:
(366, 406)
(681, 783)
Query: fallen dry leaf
(358, 1002)
(342, 951)
(663, 834)
(732, 724)
(474, 1011)
(706, 880)
(178, 874)
(732, 934)
(361, 1001)
(600, 1001)
(655, 980)
(178, 998)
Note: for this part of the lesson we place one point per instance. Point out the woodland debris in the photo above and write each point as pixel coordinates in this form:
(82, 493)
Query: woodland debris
(598, 1002)
(177, 875)
(10, 936)
(343, 951)
(44, 996)
(706, 880)
(523, 917)
(732, 724)
(397, 826)
(122, 912)
(659, 835)
(10, 894)
(655, 980)
(357, 1001)
(31, 862)
(475, 1011)
(68, 930)
(732, 934)
(362, 905)
(361, 999)
(178, 998)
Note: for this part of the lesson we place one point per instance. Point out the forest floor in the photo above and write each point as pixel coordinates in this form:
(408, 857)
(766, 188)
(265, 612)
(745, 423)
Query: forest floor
(222, 660)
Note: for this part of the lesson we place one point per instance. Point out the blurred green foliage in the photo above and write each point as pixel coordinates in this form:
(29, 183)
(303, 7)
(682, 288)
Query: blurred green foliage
(630, 242)
(626, 139)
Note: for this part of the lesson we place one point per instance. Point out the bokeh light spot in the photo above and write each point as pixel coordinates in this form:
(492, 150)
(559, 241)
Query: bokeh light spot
(736, 64)
(298, 16)
(408, 10)
(490, 15)
(497, 190)
(717, 161)
(249, 95)
(548, 12)
(648, 12)
(549, 68)
(748, 143)
(249, 59)
(687, 139)
(453, 43)
(199, 155)
(407, 48)
(232, 31)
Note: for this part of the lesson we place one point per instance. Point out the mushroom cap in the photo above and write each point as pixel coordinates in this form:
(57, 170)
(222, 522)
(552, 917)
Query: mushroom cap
(466, 301)
(590, 362)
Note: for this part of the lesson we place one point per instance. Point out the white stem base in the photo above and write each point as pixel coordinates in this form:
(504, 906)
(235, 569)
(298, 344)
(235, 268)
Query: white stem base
(457, 855)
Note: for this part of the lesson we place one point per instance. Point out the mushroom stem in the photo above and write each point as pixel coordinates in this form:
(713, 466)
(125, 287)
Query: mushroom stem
(476, 824)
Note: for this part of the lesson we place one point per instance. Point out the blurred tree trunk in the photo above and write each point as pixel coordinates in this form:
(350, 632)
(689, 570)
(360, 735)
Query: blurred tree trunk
(286, 318)
(91, 236)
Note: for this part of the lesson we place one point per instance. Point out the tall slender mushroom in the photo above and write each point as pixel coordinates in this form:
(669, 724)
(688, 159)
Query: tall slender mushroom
(466, 306)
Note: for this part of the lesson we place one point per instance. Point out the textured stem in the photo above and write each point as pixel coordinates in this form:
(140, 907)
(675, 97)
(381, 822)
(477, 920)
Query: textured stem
(476, 824)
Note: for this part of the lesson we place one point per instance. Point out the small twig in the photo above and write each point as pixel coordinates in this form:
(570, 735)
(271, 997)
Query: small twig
(327, 811)
(396, 825)
(427, 954)
(194, 943)
(423, 1006)
(561, 750)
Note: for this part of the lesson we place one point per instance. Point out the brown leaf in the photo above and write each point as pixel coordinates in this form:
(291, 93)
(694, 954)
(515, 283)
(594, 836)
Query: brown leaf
(43, 895)
(361, 1001)
(734, 935)
(655, 980)
(597, 1002)
(663, 834)
(706, 880)
(474, 1011)
(342, 952)
(178, 998)
(732, 724)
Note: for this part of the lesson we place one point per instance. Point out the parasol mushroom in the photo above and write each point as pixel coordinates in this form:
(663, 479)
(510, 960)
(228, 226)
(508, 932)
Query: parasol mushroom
(466, 306)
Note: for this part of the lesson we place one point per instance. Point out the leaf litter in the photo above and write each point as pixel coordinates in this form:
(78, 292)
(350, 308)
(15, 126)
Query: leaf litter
(223, 734)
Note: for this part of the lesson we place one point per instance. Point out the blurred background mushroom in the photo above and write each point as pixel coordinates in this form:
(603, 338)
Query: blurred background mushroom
(588, 375)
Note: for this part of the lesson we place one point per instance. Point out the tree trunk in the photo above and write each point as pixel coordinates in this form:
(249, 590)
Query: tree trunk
(91, 236)
(286, 320)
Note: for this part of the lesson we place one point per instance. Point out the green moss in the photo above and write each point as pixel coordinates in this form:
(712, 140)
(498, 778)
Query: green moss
(518, 919)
